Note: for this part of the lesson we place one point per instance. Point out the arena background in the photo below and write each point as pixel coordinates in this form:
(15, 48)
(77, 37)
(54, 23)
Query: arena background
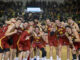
(61, 9)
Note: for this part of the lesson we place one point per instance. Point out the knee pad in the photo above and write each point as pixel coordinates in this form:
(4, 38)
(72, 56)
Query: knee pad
(27, 53)
(43, 52)
(74, 56)
(79, 56)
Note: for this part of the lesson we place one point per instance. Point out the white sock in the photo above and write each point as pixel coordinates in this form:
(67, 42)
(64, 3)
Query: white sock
(57, 57)
(77, 58)
(31, 58)
(67, 59)
(16, 58)
(37, 57)
(8, 58)
(24, 58)
(44, 58)
(34, 56)
(51, 58)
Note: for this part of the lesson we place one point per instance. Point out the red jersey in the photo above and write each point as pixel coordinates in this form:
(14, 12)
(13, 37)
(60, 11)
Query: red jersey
(24, 44)
(3, 30)
(15, 38)
(24, 35)
(61, 32)
(3, 38)
(38, 39)
(17, 35)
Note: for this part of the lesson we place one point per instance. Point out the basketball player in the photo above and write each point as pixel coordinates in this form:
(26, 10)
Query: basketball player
(73, 24)
(15, 38)
(74, 40)
(24, 43)
(38, 42)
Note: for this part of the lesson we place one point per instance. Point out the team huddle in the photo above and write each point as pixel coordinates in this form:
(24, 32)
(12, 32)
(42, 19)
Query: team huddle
(20, 40)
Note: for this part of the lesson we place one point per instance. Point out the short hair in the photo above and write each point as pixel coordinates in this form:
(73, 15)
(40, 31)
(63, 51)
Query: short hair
(36, 26)
(43, 24)
(69, 17)
(19, 18)
(67, 26)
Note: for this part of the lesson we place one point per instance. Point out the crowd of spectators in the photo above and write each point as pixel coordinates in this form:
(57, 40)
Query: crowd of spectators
(52, 10)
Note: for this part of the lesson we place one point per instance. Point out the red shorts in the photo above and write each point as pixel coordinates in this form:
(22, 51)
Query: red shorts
(63, 40)
(15, 40)
(77, 45)
(60, 41)
(39, 45)
(53, 42)
(14, 44)
(56, 42)
(24, 46)
(66, 41)
(4, 43)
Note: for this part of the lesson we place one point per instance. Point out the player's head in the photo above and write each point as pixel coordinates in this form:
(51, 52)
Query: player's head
(47, 21)
(70, 20)
(37, 29)
(62, 24)
(31, 29)
(31, 23)
(13, 20)
(43, 25)
(36, 20)
(57, 22)
(18, 23)
(25, 25)
(68, 29)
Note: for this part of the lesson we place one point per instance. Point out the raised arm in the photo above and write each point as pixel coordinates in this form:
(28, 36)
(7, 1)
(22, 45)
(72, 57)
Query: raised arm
(76, 35)
(77, 27)
(10, 31)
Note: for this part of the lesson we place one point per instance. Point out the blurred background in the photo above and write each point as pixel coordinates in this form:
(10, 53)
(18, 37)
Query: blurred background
(41, 10)
(61, 9)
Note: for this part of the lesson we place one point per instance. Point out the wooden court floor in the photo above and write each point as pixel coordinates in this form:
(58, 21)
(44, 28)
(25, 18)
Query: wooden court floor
(63, 52)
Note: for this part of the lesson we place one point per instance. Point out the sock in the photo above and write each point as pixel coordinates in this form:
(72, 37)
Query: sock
(74, 56)
(67, 59)
(51, 58)
(77, 58)
(31, 58)
(37, 58)
(57, 57)
(16, 58)
(24, 58)
(34, 57)
(8, 58)
(43, 58)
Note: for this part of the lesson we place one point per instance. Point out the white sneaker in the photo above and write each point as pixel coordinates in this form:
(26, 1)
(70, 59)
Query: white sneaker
(67, 59)
(57, 57)
(31, 58)
(51, 58)
(37, 57)
(16, 58)
(24, 58)
(44, 58)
